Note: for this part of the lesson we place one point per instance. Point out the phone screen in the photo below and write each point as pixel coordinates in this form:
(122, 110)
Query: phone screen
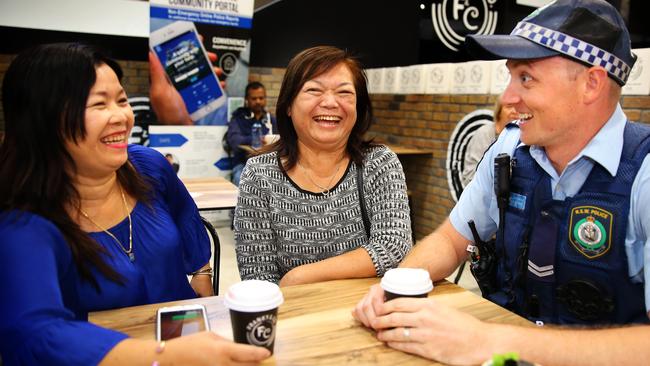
(189, 70)
(179, 323)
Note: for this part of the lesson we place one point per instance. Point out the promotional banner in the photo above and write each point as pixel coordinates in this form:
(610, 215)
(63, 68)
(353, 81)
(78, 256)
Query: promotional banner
(184, 34)
(639, 81)
(471, 78)
(374, 80)
(390, 84)
(500, 76)
(413, 80)
(193, 151)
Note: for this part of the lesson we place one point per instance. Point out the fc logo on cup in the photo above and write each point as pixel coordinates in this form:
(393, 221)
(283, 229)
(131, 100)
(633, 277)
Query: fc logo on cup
(261, 331)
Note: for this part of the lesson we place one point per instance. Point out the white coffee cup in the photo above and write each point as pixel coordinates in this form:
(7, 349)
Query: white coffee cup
(253, 308)
(406, 282)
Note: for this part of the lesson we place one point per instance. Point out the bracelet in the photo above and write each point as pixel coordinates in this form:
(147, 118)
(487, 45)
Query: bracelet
(159, 349)
(204, 271)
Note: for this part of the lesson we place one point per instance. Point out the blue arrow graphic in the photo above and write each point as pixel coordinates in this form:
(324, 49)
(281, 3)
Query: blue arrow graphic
(166, 140)
(223, 164)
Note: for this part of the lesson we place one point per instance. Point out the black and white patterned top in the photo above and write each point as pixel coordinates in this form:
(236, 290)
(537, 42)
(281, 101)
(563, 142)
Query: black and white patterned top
(279, 226)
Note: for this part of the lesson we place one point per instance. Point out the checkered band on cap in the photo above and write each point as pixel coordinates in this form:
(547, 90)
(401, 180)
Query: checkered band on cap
(573, 47)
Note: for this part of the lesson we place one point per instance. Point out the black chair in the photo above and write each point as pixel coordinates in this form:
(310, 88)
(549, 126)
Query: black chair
(216, 254)
(459, 274)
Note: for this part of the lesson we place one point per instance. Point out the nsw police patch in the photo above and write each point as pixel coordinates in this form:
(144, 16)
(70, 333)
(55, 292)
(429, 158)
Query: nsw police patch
(590, 230)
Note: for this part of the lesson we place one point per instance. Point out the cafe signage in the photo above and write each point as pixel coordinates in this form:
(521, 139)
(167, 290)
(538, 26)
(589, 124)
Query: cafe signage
(454, 19)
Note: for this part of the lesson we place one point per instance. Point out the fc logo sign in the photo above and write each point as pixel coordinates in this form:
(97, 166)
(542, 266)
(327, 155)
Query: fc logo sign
(454, 19)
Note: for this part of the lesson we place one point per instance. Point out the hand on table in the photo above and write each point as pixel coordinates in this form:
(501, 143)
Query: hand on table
(207, 348)
(366, 310)
(429, 329)
(166, 101)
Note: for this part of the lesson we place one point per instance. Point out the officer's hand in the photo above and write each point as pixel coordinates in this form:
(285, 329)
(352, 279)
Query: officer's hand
(433, 330)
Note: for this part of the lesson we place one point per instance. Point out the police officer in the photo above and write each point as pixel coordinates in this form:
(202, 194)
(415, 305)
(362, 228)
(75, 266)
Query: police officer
(572, 230)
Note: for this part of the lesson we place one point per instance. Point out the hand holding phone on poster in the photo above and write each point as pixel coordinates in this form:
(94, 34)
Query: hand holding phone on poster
(166, 101)
(184, 84)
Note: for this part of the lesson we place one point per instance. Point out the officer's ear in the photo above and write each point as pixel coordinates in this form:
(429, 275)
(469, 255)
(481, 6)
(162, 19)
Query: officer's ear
(596, 84)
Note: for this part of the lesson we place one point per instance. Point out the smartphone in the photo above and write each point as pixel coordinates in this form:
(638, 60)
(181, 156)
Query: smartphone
(183, 57)
(177, 321)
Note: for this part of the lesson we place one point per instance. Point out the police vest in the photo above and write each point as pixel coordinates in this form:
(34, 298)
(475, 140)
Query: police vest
(564, 262)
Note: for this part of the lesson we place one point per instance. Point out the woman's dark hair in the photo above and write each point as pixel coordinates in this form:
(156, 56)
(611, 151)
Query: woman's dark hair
(44, 94)
(305, 66)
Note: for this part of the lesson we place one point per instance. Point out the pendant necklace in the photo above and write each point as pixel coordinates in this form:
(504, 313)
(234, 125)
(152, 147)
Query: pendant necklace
(324, 190)
(128, 252)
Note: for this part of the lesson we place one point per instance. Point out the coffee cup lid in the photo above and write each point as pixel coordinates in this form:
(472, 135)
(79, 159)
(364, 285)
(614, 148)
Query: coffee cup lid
(253, 295)
(407, 281)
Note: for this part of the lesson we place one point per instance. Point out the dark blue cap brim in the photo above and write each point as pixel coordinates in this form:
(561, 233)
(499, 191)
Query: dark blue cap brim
(495, 47)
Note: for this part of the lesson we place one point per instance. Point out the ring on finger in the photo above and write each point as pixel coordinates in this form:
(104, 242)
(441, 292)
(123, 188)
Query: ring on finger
(407, 333)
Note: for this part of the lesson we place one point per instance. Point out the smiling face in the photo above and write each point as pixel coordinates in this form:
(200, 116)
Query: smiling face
(108, 122)
(324, 110)
(546, 96)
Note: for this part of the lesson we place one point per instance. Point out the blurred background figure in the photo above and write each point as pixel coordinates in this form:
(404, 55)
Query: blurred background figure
(484, 137)
(245, 120)
(170, 158)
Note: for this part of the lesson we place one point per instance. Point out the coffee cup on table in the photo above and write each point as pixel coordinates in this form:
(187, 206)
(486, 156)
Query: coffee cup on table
(406, 282)
(253, 308)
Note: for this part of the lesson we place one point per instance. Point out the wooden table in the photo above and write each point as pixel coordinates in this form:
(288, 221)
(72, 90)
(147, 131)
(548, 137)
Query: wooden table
(215, 193)
(315, 325)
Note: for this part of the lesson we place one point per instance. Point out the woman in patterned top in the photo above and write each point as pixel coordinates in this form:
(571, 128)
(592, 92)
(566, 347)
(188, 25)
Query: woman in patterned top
(299, 217)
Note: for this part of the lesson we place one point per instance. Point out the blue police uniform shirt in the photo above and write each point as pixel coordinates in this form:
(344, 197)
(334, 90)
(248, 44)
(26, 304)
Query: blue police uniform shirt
(478, 201)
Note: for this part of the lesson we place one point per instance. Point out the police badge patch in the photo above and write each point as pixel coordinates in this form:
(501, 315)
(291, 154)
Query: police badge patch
(590, 230)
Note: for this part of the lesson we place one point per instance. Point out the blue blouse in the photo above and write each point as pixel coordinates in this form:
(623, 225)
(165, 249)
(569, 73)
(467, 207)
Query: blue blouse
(44, 303)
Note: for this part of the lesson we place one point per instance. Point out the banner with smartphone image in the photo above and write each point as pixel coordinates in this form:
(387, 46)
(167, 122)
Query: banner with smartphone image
(181, 33)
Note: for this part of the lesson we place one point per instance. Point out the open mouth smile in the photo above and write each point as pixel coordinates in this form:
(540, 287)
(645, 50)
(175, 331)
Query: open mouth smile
(116, 140)
(327, 119)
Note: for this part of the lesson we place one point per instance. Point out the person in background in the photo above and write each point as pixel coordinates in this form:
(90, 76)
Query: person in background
(572, 229)
(88, 222)
(322, 203)
(172, 162)
(485, 136)
(241, 123)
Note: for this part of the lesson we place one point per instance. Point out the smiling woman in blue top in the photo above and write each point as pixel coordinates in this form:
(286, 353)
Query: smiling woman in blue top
(90, 223)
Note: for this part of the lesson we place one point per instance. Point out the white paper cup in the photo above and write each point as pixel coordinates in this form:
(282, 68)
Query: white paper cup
(406, 282)
(253, 308)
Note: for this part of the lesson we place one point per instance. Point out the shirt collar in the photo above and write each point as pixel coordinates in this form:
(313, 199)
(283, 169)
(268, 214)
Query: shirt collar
(606, 147)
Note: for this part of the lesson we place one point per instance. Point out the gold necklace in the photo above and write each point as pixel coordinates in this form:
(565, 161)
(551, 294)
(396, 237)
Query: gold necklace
(324, 190)
(128, 252)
